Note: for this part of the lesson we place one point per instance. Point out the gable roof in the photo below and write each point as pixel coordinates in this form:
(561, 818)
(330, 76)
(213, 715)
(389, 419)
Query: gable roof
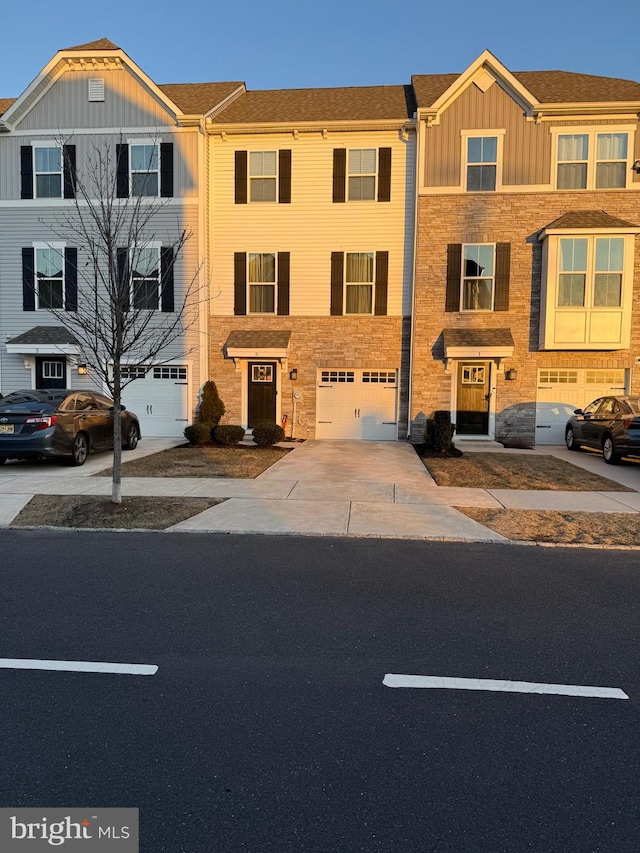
(5, 103)
(99, 44)
(198, 98)
(549, 87)
(358, 103)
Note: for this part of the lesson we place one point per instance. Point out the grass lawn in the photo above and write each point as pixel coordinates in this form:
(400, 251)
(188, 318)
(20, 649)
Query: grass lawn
(581, 528)
(92, 511)
(241, 462)
(516, 471)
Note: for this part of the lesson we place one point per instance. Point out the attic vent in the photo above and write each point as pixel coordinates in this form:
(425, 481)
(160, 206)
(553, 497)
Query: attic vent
(96, 89)
(484, 80)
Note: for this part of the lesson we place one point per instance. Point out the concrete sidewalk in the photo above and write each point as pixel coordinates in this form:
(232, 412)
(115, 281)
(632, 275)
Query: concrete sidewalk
(336, 488)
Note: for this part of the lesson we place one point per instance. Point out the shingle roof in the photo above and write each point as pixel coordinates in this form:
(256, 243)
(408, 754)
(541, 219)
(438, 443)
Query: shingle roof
(99, 44)
(589, 219)
(198, 98)
(478, 338)
(359, 103)
(45, 335)
(548, 87)
(5, 103)
(258, 339)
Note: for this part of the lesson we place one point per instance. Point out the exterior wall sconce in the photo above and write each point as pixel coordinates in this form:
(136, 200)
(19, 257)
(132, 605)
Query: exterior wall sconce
(82, 370)
(511, 374)
(293, 374)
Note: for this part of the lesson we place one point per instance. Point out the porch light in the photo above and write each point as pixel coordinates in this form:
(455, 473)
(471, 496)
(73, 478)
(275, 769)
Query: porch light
(511, 374)
(293, 374)
(82, 369)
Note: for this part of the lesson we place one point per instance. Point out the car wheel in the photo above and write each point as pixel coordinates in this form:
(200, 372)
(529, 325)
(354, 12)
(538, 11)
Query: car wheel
(132, 437)
(609, 451)
(570, 439)
(80, 450)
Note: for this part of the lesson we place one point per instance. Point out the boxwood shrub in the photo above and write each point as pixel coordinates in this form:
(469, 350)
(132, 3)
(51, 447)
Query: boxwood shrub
(198, 433)
(266, 434)
(228, 434)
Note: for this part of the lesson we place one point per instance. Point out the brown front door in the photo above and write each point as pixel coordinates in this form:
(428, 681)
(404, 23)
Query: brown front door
(472, 416)
(262, 392)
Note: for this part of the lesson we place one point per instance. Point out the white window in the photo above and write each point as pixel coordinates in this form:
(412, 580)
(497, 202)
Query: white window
(145, 277)
(49, 276)
(478, 262)
(144, 160)
(263, 173)
(53, 370)
(359, 268)
(48, 171)
(362, 168)
(592, 160)
(262, 282)
(590, 272)
(482, 163)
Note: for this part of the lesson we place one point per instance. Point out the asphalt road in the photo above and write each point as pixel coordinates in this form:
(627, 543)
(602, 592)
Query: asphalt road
(267, 727)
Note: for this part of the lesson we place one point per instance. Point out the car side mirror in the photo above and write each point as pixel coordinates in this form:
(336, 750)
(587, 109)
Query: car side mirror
(578, 412)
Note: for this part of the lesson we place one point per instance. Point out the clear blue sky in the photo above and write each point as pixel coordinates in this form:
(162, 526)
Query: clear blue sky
(284, 44)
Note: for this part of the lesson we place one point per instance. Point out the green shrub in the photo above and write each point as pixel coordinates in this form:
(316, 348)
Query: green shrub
(211, 406)
(439, 431)
(198, 433)
(228, 434)
(266, 434)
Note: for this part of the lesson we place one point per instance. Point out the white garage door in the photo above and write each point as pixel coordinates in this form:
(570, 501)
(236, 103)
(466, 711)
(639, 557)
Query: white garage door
(561, 391)
(357, 404)
(159, 396)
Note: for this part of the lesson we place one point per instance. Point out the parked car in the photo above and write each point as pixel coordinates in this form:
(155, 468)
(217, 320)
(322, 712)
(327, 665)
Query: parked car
(59, 423)
(610, 424)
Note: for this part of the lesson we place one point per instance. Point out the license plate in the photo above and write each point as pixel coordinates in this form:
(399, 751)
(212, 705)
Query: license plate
(6, 428)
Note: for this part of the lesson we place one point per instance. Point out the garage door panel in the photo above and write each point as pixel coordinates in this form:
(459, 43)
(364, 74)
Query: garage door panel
(357, 404)
(160, 399)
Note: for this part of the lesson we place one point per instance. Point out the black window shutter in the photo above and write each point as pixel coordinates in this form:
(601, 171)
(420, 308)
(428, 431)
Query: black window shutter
(166, 279)
(122, 173)
(454, 270)
(339, 174)
(122, 256)
(241, 177)
(28, 280)
(283, 282)
(384, 174)
(382, 282)
(70, 279)
(69, 170)
(166, 170)
(26, 171)
(284, 176)
(239, 282)
(503, 265)
(337, 283)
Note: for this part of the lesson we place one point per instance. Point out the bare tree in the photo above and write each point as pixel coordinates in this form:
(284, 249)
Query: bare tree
(122, 282)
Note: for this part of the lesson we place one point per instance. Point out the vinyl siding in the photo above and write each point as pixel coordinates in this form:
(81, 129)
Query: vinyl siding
(312, 226)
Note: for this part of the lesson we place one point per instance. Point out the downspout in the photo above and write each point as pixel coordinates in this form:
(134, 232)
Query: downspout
(204, 221)
(416, 187)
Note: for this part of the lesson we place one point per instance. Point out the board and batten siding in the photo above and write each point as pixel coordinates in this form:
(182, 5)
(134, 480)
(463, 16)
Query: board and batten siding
(527, 146)
(88, 145)
(312, 226)
(21, 226)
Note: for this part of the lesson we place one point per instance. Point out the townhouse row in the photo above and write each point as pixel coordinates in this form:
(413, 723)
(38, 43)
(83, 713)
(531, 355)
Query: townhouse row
(363, 256)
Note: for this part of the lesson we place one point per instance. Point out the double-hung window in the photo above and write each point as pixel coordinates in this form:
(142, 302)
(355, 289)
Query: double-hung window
(49, 278)
(145, 277)
(477, 277)
(145, 169)
(262, 282)
(590, 272)
(48, 171)
(589, 160)
(263, 175)
(482, 163)
(359, 278)
(362, 163)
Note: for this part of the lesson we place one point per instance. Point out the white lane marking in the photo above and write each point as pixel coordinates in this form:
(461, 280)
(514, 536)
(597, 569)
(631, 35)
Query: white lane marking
(441, 682)
(79, 666)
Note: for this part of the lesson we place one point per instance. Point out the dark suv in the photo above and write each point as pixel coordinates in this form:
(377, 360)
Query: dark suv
(59, 423)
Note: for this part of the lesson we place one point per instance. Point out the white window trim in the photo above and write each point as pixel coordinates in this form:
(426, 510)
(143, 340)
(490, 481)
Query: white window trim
(464, 310)
(593, 133)
(58, 247)
(346, 284)
(465, 135)
(363, 175)
(142, 141)
(272, 283)
(152, 244)
(43, 143)
(275, 177)
(590, 273)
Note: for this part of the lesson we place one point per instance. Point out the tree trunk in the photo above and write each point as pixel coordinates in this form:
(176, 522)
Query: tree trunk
(116, 486)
